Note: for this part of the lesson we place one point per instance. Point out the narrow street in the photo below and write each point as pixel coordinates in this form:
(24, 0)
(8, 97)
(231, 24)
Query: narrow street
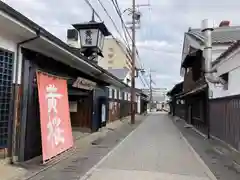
(119, 90)
(155, 150)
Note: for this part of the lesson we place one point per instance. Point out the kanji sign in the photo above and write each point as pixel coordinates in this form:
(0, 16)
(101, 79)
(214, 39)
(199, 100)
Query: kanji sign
(56, 129)
(84, 84)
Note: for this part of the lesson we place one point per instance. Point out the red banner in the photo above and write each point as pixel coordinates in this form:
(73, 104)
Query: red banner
(56, 128)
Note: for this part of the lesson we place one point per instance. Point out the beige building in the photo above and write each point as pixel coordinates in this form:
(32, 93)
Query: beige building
(115, 55)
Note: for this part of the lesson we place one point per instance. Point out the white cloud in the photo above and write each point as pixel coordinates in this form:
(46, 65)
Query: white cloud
(152, 43)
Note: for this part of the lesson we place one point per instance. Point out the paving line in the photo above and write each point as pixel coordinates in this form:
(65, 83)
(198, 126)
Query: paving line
(95, 167)
(207, 170)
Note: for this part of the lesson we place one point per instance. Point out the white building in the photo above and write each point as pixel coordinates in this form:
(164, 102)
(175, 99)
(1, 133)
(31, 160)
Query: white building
(116, 55)
(228, 67)
(222, 37)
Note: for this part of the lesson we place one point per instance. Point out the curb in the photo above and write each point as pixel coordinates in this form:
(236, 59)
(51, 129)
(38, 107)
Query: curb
(199, 159)
(91, 171)
(67, 154)
(207, 170)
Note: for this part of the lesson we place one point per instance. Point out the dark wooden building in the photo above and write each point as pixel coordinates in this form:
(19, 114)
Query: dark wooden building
(193, 99)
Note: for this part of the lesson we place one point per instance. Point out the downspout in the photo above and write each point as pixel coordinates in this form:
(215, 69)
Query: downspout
(207, 115)
(207, 29)
(16, 99)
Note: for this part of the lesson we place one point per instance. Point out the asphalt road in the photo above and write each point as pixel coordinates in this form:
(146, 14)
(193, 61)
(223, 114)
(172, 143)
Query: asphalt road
(219, 157)
(74, 167)
(155, 150)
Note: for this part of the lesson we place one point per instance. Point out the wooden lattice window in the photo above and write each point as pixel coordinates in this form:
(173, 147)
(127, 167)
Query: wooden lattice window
(6, 73)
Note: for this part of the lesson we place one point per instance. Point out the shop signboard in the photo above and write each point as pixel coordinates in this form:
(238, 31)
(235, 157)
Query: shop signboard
(84, 84)
(56, 129)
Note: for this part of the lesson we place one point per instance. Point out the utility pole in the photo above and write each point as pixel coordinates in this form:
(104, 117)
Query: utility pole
(133, 63)
(136, 15)
(150, 90)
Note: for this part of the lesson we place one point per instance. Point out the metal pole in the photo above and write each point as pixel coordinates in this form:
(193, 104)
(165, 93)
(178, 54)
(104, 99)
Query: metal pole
(133, 64)
(150, 90)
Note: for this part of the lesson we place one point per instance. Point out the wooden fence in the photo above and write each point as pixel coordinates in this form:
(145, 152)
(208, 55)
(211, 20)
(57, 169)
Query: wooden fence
(225, 120)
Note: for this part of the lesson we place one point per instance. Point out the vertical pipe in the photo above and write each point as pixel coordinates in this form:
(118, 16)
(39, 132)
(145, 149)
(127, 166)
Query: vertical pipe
(16, 89)
(207, 51)
(207, 115)
(150, 86)
(133, 64)
(207, 31)
(16, 103)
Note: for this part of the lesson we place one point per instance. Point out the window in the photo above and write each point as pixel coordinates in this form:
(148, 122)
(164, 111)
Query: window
(120, 95)
(110, 93)
(110, 62)
(6, 74)
(113, 93)
(225, 78)
(116, 94)
(110, 49)
(110, 56)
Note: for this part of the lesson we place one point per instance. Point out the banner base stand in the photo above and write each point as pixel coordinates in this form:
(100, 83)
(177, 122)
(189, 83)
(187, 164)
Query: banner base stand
(55, 158)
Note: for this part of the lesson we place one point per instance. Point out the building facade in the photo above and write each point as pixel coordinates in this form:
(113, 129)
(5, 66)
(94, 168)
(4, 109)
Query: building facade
(224, 104)
(211, 107)
(27, 49)
(116, 55)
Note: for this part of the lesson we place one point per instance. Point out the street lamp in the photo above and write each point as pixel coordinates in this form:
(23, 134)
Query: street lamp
(92, 36)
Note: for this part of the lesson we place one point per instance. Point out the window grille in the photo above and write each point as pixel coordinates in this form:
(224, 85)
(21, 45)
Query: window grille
(6, 73)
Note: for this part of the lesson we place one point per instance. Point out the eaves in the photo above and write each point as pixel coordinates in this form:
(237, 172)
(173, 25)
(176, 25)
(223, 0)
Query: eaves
(44, 33)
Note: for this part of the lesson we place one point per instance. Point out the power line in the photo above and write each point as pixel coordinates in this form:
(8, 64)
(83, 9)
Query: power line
(117, 8)
(113, 23)
(90, 5)
(125, 40)
(125, 29)
(115, 26)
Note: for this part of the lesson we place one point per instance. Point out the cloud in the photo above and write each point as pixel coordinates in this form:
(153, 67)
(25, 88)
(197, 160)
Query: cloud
(152, 43)
(160, 38)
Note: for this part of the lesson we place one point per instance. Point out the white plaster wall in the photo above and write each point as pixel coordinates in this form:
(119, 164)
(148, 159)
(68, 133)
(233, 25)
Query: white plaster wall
(7, 43)
(232, 66)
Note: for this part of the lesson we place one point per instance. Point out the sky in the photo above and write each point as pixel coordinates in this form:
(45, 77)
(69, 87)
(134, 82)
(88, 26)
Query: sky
(159, 39)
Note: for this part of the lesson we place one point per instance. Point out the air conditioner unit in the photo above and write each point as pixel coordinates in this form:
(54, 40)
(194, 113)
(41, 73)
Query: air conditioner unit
(73, 38)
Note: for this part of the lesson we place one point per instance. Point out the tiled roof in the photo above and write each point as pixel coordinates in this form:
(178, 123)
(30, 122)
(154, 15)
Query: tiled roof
(219, 35)
(35, 27)
(231, 48)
